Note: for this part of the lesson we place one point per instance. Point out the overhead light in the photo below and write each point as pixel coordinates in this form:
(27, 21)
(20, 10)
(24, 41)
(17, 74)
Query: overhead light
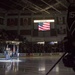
(40, 42)
(37, 21)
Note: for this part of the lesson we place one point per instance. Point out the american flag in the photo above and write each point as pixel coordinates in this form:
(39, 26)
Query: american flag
(43, 26)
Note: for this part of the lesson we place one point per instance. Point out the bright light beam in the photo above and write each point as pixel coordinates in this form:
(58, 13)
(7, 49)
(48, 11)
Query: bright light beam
(10, 60)
(37, 21)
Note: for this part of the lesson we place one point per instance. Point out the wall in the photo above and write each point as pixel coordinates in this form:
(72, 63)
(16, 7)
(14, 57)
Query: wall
(23, 24)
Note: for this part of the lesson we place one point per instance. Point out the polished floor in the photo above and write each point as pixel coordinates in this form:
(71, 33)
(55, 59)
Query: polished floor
(33, 66)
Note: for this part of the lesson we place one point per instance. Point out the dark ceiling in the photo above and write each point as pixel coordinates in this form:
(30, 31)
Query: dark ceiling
(35, 6)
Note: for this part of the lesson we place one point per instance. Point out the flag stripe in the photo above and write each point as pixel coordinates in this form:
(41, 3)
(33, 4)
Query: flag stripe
(44, 26)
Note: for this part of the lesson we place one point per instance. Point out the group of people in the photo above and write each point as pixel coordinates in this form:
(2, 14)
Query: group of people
(40, 48)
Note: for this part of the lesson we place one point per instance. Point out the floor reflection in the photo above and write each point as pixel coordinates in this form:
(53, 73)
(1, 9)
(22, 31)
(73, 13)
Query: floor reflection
(42, 66)
(11, 67)
(34, 66)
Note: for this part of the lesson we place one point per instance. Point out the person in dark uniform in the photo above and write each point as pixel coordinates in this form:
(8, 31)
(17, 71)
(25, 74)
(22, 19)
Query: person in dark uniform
(69, 40)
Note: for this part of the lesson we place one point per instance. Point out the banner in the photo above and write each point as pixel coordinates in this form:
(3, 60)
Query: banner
(1, 21)
(23, 21)
(12, 21)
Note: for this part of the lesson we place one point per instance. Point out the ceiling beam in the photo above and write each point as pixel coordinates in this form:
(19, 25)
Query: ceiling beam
(51, 6)
(31, 10)
(24, 7)
(35, 6)
(61, 3)
(16, 3)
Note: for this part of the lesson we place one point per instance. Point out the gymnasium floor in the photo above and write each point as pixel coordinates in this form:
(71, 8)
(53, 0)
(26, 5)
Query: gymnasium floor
(34, 66)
